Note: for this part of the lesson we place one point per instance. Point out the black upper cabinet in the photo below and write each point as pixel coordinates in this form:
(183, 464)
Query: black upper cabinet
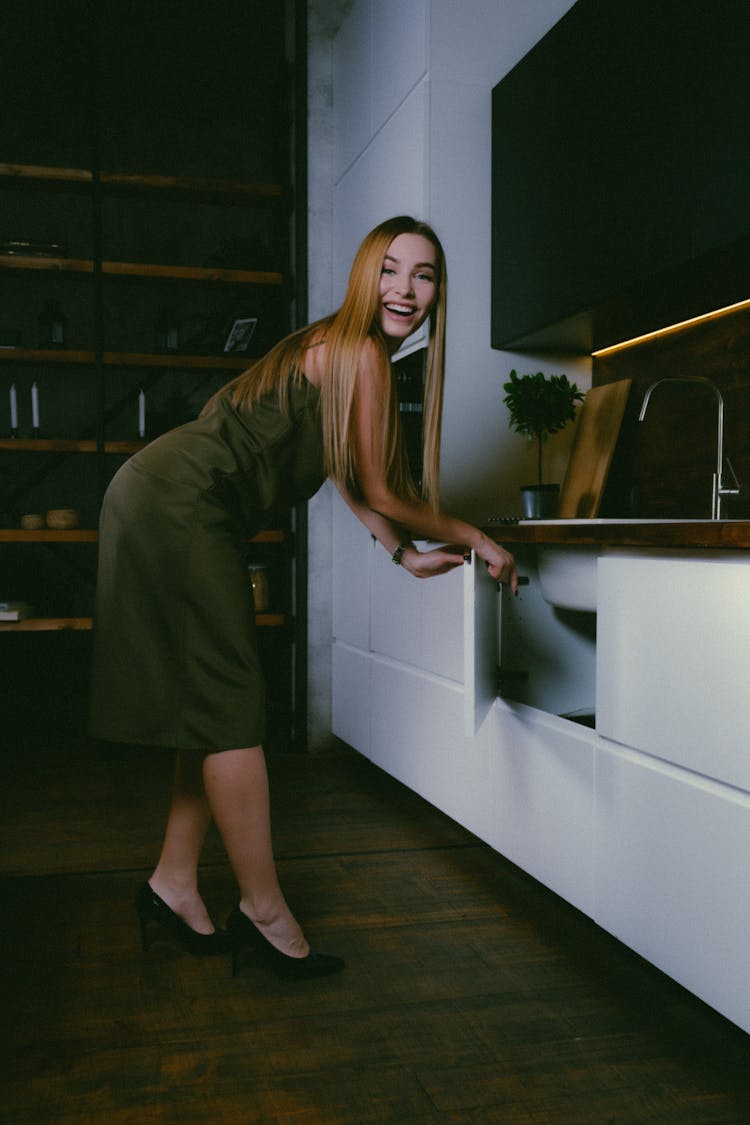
(621, 173)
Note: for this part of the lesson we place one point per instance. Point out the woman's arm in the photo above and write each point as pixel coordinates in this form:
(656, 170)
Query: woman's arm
(421, 564)
(401, 512)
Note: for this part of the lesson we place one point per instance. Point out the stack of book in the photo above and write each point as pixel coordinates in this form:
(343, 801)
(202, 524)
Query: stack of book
(15, 611)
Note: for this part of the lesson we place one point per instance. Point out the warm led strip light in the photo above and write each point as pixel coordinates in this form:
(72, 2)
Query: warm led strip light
(714, 315)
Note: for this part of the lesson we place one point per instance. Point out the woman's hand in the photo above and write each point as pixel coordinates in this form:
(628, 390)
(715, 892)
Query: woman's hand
(501, 564)
(426, 564)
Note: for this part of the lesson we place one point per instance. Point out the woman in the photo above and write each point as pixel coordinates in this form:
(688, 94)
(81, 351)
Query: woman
(175, 661)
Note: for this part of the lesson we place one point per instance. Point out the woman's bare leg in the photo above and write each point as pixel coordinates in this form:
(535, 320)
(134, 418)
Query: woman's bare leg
(236, 784)
(175, 878)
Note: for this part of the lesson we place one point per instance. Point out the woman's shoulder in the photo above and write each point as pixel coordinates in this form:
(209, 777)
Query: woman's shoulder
(313, 360)
(315, 356)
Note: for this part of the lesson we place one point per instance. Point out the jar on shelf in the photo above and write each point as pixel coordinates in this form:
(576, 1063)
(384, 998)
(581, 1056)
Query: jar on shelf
(261, 591)
(51, 325)
(167, 332)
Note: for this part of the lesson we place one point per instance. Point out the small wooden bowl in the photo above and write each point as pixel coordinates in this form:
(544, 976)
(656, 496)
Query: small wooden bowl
(32, 522)
(62, 519)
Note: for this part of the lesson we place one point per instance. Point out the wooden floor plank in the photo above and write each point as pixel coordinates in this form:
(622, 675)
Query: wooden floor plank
(471, 994)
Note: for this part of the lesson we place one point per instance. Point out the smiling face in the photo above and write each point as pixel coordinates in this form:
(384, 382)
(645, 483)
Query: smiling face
(408, 287)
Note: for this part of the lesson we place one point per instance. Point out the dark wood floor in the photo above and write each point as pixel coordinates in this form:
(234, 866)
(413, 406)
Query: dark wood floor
(471, 993)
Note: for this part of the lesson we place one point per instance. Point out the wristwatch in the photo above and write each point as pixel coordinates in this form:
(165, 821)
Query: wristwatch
(398, 554)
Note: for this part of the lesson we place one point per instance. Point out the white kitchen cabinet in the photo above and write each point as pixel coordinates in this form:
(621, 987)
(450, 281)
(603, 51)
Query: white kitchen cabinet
(420, 700)
(395, 610)
(353, 551)
(671, 879)
(523, 784)
(351, 696)
(417, 621)
(673, 652)
(481, 610)
(643, 823)
(537, 778)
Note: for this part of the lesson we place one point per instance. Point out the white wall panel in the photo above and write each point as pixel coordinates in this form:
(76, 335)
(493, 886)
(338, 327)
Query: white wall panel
(399, 53)
(493, 35)
(352, 83)
(388, 179)
(671, 875)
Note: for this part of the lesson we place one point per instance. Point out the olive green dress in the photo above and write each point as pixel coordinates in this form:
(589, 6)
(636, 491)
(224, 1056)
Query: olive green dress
(175, 657)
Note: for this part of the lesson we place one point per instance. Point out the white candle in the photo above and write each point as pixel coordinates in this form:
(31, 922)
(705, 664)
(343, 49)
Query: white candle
(34, 406)
(13, 408)
(141, 414)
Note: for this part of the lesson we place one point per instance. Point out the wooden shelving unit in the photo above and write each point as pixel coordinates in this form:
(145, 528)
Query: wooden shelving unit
(140, 241)
(101, 359)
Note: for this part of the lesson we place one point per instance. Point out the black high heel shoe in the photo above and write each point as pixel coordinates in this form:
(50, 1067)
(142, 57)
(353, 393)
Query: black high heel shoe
(244, 933)
(151, 908)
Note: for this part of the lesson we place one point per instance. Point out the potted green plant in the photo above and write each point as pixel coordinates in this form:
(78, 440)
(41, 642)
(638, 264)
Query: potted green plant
(540, 405)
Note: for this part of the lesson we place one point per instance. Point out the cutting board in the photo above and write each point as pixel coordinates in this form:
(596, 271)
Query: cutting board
(599, 421)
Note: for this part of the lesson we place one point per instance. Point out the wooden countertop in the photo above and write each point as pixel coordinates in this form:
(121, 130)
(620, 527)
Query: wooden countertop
(717, 534)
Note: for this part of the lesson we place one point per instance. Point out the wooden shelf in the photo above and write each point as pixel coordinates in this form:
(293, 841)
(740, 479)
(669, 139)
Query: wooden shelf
(80, 624)
(47, 535)
(45, 174)
(219, 191)
(46, 625)
(116, 183)
(63, 445)
(47, 355)
(143, 269)
(159, 359)
(85, 357)
(271, 536)
(270, 620)
(192, 273)
(90, 535)
(34, 262)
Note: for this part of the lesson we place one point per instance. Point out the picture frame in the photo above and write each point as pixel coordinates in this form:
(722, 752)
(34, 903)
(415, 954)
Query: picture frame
(240, 335)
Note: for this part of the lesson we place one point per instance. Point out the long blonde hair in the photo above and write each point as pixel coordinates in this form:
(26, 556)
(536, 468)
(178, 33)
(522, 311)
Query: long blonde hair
(345, 333)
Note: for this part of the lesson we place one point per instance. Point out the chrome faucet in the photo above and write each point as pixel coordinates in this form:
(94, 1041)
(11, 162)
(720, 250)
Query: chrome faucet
(718, 489)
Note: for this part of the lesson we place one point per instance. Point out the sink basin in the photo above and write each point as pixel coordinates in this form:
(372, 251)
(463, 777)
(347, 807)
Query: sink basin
(567, 575)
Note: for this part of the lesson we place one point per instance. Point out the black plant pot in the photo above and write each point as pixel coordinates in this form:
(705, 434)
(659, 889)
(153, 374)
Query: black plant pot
(540, 501)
